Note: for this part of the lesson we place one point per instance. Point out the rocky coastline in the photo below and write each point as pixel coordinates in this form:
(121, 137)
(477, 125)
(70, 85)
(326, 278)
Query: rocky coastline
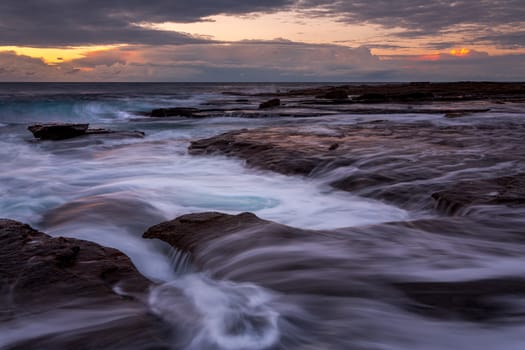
(40, 274)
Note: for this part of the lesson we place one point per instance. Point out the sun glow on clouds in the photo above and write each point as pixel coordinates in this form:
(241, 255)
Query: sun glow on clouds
(460, 52)
(289, 25)
(53, 56)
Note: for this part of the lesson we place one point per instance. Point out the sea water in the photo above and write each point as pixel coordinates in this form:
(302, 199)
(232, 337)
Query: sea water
(110, 190)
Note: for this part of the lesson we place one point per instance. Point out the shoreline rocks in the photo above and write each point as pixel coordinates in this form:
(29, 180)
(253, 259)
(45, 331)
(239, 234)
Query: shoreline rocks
(401, 163)
(394, 98)
(57, 276)
(245, 248)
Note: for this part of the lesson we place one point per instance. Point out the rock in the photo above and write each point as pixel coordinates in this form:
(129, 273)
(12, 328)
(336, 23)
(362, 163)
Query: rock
(458, 114)
(413, 97)
(475, 300)
(50, 278)
(189, 232)
(371, 98)
(174, 112)
(335, 94)
(116, 134)
(245, 248)
(259, 152)
(410, 92)
(374, 97)
(274, 102)
(57, 131)
(429, 152)
(65, 131)
(506, 190)
(333, 146)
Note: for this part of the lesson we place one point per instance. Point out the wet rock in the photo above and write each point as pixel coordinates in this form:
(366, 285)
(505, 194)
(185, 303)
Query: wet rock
(174, 112)
(506, 190)
(57, 131)
(413, 97)
(372, 97)
(58, 277)
(258, 152)
(65, 131)
(246, 248)
(191, 231)
(456, 114)
(333, 146)
(274, 102)
(335, 94)
(478, 300)
(116, 134)
(402, 163)
(105, 208)
(424, 91)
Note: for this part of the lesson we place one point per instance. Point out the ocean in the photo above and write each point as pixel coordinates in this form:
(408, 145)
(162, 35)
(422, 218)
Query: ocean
(110, 189)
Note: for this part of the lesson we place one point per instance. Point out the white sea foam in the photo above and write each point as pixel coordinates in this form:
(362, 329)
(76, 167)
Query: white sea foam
(226, 315)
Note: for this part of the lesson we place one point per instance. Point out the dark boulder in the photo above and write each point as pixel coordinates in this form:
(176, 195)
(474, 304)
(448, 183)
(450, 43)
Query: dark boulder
(57, 131)
(274, 102)
(64, 131)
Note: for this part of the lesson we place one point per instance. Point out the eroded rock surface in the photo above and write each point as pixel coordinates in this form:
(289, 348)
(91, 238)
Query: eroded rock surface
(46, 280)
(505, 190)
(357, 262)
(403, 163)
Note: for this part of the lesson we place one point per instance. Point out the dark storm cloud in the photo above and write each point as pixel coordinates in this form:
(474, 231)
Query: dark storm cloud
(504, 40)
(84, 22)
(422, 17)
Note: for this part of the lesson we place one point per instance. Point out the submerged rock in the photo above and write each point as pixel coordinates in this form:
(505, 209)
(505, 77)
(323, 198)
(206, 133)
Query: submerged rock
(350, 262)
(51, 278)
(402, 163)
(57, 131)
(274, 102)
(335, 94)
(475, 300)
(506, 190)
(174, 112)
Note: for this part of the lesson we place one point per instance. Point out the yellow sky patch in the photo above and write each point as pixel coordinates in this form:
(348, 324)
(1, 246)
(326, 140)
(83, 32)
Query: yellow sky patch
(57, 55)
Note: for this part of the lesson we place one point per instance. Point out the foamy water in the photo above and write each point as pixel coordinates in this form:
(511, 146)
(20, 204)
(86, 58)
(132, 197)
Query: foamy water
(318, 293)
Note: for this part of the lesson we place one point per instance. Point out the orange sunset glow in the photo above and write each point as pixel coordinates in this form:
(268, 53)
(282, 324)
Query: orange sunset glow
(269, 40)
(57, 55)
(459, 52)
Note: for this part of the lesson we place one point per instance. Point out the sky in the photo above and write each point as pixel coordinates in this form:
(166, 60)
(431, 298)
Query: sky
(262, 40)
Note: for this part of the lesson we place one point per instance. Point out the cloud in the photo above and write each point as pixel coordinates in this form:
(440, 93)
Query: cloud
(271, 61)
(423, 18)
(55, 23)
(85, 22)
